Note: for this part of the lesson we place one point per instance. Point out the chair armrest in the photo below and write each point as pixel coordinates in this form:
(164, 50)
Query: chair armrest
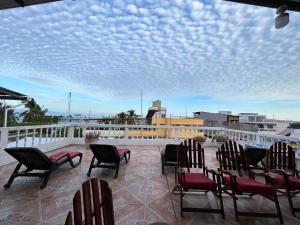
(62, 156)
(281, 172)
(214, 172)
(256, 171)
(297, 173)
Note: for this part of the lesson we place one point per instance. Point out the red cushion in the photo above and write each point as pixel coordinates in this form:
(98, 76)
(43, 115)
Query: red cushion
(280, 181)
(198, 181)
(251, 186)
(295, 182)
(122, 151)
(56, 155)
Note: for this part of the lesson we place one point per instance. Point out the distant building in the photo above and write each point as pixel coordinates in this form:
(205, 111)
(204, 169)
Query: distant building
(156, 111)
(260, 121)
(221, 118)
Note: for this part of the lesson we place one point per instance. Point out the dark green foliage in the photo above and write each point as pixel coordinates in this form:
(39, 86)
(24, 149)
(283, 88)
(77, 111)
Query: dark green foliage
(295, 125)
(11, 117)
(130, 117)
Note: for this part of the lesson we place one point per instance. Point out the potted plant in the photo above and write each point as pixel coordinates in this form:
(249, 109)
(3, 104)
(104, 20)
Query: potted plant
(220, 139)
(91, 136)
(200, 139)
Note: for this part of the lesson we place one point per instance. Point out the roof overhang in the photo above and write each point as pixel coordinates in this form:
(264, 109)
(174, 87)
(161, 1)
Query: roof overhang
(7, 4)
(6, 94)
(292, 5)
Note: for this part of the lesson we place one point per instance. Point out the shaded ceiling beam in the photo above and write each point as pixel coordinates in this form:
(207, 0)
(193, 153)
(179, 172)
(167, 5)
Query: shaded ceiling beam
(293, 5)
(20, 2)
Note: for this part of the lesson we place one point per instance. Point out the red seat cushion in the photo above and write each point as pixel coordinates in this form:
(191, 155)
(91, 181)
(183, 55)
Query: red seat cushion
(198, 181)
(122, 151)
(294, 182)
(251, 186)
(56, 155)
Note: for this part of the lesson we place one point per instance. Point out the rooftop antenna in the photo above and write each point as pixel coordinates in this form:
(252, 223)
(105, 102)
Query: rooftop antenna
(69, 105)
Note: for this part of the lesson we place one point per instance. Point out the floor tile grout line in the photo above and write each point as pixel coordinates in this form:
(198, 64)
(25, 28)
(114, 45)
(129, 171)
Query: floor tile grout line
(170, 193)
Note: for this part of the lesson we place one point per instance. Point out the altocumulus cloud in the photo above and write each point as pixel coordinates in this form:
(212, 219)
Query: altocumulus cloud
(172, 48)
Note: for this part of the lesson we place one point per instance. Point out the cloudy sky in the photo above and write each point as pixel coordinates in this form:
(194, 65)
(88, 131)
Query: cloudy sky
(193, 55)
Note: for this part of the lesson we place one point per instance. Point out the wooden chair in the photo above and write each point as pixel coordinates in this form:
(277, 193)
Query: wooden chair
(281, 164)
(34, 159)
(191, 156)
(233, 166)
(107, 156)
(93, 205)
(169, 156)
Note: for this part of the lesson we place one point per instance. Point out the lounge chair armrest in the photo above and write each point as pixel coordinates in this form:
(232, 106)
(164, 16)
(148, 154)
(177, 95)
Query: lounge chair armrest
(62, 156)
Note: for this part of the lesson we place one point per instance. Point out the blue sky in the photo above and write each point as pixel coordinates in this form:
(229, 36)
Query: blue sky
(193, 55)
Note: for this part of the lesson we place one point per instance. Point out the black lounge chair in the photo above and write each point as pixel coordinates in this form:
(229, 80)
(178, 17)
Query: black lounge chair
(34, 159)
(169, 156)
(108, 156)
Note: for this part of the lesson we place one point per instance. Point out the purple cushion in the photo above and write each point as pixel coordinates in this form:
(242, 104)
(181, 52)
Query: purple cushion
(56, 155)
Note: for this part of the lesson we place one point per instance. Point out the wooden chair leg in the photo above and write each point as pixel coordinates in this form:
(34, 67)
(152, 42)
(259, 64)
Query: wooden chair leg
(13, 176)
(235, 207)
(278, 209)
(221, 202)
(181, 204)
(290, 202)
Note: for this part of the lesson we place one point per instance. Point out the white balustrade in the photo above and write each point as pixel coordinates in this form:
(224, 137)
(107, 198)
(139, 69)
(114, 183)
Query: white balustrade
(49, 137)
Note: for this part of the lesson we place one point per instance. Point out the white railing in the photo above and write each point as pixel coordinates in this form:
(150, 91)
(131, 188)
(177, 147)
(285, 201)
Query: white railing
(49, 137)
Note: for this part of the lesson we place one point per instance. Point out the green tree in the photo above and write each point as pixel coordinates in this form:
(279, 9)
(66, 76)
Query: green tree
(35, 113)
(295, 125)
(11, 117)
(131, 116)
(121, 118)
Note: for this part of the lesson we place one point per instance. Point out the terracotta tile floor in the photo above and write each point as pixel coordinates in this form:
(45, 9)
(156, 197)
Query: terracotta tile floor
(141, 194)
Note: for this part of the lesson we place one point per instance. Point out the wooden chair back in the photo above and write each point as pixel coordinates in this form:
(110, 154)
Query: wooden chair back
(281, 156)
(92, 205)
(232, 156)
(191, 155)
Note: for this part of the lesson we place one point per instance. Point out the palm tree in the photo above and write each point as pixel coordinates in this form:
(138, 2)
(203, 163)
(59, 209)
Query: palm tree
(35, 112)
(121, 118)
(11, 117)
(131, 116)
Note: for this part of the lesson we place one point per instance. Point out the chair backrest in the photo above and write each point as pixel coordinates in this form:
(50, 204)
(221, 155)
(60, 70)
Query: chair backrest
(92, 206)
(232, 156)
(105, 153)
(281, 156)
(171, 152)
(191, 154)
(32, 158)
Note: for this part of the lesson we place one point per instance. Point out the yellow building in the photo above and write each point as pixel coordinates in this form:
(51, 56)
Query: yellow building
(170, 133)
(157, 116)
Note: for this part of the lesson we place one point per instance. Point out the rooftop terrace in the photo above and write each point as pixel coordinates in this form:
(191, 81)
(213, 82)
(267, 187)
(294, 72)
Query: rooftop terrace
(141, 194)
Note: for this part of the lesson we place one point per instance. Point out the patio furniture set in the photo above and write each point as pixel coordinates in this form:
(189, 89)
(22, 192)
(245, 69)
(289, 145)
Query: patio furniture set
(105, 156)
(235, 176)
